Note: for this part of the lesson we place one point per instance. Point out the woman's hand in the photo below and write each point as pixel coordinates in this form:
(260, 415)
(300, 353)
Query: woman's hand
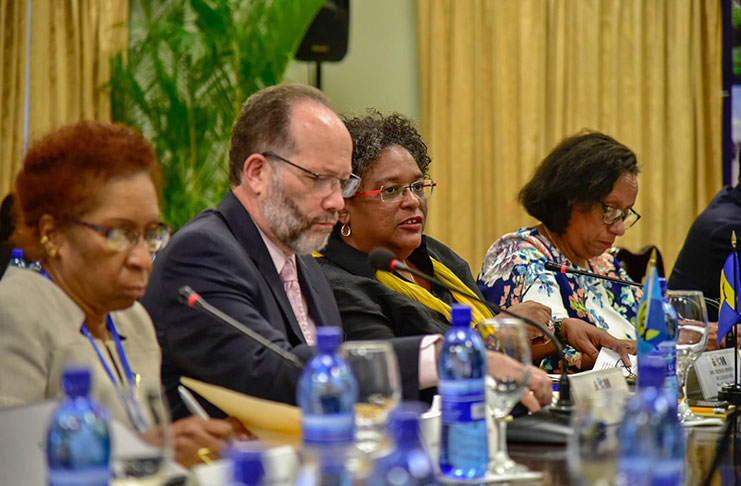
(193, 433)
(534, 311)
(588, 339)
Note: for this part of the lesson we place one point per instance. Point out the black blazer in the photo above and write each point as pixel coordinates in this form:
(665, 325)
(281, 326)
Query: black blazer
(222, 256)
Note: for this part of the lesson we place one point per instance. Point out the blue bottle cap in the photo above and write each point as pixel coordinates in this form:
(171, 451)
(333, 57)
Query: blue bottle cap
(328, 338)
(405, 418)
(651, 371)
(246, 458)
(662, 285)
(76, 381)
(460, 315)
(16, 253)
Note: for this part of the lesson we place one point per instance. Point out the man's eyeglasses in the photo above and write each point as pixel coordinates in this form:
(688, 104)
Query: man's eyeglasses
(155, 235)
(612, 215)
(324, 183)
(421, 189)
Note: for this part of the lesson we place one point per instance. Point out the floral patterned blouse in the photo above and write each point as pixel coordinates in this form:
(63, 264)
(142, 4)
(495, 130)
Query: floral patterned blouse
(513, 271)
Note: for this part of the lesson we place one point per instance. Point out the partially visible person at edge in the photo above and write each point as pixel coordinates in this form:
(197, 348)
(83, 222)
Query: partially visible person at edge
(7, 226)
(583, 194)
(390, 210)
(705, 250)
(88, 208)
(290, 166)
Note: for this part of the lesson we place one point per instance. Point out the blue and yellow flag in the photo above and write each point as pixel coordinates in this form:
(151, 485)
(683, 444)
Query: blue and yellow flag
(728, 316)
(652, 327)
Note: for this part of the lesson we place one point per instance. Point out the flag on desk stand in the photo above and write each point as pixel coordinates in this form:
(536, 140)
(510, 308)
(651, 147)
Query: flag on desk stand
(651, 321)
(728, 315)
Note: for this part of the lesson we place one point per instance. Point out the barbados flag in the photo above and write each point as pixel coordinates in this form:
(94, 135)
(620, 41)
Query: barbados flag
(728, 315)
(652, 328)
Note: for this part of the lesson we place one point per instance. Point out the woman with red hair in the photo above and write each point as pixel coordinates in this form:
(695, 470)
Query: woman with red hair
(88, 209)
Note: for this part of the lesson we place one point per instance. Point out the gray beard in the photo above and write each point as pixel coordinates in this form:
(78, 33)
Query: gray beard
(289, 224)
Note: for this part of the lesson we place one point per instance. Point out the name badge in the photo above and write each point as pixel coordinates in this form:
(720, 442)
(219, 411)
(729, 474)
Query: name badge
(586, 386)
(714, 369)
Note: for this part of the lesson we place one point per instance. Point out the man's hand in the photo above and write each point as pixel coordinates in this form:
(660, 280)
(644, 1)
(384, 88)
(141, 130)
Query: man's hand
(539, 390)
(588, 339)
(534, 311)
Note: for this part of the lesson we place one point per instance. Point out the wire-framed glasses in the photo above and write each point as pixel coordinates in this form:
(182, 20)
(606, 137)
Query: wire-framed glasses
(422, 189)
(156, 235)
(611, 215)
(324, 183)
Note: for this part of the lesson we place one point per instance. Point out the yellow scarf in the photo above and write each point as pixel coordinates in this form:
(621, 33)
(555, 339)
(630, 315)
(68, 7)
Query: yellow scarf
(423, 296)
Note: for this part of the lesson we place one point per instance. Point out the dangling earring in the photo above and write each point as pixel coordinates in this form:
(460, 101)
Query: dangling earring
(345, 230)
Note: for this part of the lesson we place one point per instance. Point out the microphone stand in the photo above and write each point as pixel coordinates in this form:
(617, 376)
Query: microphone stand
(191, 298)
(564, 404)
(554, 267)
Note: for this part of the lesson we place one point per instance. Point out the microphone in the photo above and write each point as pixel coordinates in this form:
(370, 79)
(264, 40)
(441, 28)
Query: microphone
(191, 298)
(383, 259)
(555, 267)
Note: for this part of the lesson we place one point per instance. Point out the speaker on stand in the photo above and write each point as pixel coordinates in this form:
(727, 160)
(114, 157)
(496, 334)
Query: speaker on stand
(326, 39)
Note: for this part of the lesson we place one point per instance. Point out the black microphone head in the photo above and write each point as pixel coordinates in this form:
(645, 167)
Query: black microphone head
(553, 267)
(381, 258)
(184, 295)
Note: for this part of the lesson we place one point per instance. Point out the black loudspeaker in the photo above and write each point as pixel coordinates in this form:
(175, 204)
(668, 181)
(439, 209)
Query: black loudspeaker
(326, 39)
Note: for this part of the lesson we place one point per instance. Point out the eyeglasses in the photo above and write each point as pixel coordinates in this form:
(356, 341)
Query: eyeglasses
(324, 183)
(156, 235)
(421, 189)
(612, 215)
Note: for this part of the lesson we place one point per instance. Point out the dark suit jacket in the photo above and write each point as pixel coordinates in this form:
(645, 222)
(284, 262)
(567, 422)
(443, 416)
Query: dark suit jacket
(707, 246)
(222, 256)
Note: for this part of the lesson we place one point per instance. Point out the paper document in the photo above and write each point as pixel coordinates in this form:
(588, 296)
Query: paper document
(610, 359)
(273, 422)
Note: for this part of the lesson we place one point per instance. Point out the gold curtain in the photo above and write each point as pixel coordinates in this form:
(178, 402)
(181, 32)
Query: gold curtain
(502, 81)
(71, 42)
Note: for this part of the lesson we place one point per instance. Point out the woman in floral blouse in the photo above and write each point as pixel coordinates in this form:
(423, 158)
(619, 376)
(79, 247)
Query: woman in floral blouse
(583, 193)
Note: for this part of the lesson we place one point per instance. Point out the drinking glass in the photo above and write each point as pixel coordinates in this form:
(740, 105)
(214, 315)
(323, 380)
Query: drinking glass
(691, 340)
(144, 460)
(379, 390)
(593, 449)
(506, 380)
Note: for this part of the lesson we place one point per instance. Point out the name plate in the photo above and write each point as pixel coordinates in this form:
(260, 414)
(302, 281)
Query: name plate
(714, 369)
(586, 386)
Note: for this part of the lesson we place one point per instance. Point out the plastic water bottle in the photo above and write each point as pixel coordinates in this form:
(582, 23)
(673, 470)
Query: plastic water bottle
(246, 463)
(668, 468)
(35, 266)
(16, 258)
(651, 437)
(636, 433)
(462, 372)
(408, 463)
(667, 348)
(327, 392)
(78, 444)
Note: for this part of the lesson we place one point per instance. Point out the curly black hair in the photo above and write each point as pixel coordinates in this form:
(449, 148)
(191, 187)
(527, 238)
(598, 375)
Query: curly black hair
(579, 172)
(375, 132)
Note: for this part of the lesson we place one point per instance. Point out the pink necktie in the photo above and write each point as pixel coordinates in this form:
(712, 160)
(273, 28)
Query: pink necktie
(290, 283)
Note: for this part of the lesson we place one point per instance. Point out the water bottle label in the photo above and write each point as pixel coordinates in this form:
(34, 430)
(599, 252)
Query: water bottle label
(668, 473)
(336, 428)
(463, 400)
(97, 476)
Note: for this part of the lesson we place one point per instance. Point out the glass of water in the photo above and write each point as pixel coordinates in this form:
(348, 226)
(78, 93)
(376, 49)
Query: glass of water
(691, 341)
(379, 390)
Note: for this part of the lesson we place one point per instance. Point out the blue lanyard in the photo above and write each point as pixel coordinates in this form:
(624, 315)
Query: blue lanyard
(135, 416)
